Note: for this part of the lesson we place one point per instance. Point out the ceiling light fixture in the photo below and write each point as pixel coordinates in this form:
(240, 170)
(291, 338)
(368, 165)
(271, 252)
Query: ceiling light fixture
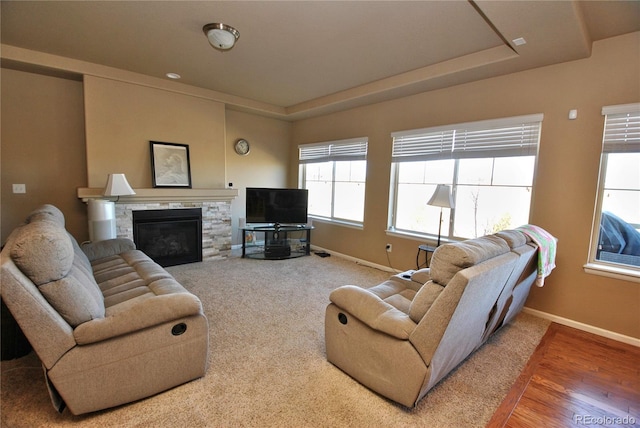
(221, 36)
(173, 76)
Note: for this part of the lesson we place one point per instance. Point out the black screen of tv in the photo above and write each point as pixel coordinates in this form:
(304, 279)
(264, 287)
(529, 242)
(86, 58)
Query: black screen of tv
(284, 206)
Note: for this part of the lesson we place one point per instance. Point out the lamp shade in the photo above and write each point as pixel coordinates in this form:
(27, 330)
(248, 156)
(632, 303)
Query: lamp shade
(442, 197)
(221, 36)
(117, 185)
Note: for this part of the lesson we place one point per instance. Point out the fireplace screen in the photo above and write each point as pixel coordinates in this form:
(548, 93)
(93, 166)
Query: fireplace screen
(169, 237)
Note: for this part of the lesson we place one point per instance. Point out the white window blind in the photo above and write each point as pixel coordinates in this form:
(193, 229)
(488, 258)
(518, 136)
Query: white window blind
(514, 136)
(345, 150)
(621, 128)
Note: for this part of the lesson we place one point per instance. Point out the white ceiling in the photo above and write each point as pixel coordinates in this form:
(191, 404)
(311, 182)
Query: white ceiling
(311, 57)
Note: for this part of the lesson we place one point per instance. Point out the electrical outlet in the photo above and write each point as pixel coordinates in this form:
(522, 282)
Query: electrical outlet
(389, 247)
(19, 188)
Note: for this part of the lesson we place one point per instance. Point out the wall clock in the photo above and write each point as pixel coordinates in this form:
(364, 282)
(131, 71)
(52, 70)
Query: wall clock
(242, 147)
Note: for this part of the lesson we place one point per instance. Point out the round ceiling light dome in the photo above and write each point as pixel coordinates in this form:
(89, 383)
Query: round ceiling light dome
(221, 36)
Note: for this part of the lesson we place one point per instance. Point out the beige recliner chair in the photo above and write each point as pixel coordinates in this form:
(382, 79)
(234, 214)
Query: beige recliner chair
(401, 337)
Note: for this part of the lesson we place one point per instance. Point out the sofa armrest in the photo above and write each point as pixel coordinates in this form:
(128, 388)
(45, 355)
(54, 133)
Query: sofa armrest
(373, 311)
(110, 247)
(137, 316)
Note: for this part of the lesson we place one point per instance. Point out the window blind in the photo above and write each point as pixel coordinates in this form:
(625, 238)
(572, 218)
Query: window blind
(345, 150)
(515, 136)
(621, 128)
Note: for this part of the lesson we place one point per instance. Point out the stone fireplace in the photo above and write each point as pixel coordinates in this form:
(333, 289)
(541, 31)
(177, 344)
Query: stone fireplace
(215, 205)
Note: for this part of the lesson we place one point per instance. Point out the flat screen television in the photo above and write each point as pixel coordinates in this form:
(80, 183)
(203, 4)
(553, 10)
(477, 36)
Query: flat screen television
(282, 206)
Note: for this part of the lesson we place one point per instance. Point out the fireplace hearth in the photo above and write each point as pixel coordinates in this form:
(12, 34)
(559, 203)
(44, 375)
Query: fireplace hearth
(169, 236)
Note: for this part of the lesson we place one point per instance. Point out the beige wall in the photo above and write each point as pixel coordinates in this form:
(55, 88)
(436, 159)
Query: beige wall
(267, 163)
(567, 174)
(43, 142)
(42, 147)
(121, 119)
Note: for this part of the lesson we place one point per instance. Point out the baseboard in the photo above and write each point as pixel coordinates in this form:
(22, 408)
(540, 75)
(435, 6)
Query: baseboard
(354, 259)
(584, 327)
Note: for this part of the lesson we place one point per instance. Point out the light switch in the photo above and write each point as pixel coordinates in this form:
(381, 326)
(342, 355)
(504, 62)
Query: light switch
(19, 188)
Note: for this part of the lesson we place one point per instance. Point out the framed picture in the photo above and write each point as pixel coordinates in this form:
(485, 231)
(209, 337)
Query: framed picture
(170, 165)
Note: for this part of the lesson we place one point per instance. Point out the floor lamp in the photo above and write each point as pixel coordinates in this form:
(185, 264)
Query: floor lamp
(442, 198)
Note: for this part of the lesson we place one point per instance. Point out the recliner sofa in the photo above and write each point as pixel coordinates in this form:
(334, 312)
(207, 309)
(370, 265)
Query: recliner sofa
(109, 325)
(401, 337)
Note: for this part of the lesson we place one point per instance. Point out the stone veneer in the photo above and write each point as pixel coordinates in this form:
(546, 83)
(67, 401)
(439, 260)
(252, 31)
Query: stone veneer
(216, 223)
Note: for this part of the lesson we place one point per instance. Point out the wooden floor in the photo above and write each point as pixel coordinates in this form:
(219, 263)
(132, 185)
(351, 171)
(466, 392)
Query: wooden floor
(573, 379)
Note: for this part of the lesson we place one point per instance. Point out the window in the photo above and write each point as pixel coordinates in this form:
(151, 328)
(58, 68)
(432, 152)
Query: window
(615, 236)
(489, 164)
(335, 174)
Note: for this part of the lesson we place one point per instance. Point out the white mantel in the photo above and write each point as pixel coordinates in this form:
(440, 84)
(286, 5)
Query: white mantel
(165, 194)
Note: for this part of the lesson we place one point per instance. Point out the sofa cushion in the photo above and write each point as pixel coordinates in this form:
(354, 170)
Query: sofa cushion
(73, 300)
(79, 258)
(47, 212)
(391, 287)
(421, 275)
(450, 259)
(43, 251)
(373, 311)
(107, 248)
(423, 300)
(514, 238)
(397, 292)
(84, 279)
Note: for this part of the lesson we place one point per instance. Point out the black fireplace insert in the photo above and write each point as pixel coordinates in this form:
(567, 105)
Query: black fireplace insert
(169, 236)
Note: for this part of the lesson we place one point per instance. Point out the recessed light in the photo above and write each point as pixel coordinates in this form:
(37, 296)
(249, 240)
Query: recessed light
(173, 75)
(519, 41)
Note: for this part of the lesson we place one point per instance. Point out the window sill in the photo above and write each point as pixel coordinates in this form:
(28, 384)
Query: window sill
(337, 222)
(612, 272)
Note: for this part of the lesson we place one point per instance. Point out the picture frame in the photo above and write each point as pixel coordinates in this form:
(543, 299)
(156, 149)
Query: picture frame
(170, 165)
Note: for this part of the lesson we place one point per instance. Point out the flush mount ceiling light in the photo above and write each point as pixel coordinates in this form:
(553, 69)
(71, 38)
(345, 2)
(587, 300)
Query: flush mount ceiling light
(221, 36)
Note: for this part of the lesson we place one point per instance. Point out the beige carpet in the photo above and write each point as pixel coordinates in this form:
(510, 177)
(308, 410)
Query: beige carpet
(267, 361)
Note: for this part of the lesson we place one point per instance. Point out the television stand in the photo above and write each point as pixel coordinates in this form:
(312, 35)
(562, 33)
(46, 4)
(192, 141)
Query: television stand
(276, 242)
